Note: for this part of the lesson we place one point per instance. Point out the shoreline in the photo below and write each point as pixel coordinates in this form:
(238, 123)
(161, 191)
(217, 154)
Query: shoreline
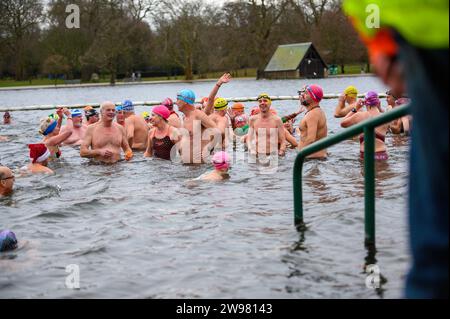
(88, 85)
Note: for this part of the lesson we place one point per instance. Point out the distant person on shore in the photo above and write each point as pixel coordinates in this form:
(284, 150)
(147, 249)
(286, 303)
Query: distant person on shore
(136, 128)
(7, 118)
(174, 119)
(372, 103)
(75, 125)
(104, 140)
(162, 137)
(6, 181)
(347, 101)
(313, 127)
(221, 162)
(39, 155)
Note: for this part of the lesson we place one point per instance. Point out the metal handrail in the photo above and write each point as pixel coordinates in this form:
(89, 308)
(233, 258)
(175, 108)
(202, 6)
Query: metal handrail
(368, 127)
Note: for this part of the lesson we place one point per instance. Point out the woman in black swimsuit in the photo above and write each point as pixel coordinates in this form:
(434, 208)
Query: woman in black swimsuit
(163, 137)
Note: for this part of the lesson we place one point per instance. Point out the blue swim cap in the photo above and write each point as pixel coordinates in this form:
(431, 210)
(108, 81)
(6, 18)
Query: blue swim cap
(119, 108)
(186, 96)
(8, 240)
(128, 106)
(76, 113)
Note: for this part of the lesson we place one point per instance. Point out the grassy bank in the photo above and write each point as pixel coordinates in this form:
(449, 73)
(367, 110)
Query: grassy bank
(250, 73)
(243, 73)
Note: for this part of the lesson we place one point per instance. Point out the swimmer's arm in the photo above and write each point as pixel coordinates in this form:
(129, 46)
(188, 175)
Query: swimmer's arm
(405, 122)
(175, 135)
(210, 105)
(290, 138)
(342, 110)
(149, 150)
(396, 126)
(58, 139)
(251, 134)
(206, 121)
(352, 119)
(126, 147)
(281, 136)
(174, 121)
(87, 143)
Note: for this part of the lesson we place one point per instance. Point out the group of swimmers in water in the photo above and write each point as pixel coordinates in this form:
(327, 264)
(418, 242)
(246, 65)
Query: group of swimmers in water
(202, 132)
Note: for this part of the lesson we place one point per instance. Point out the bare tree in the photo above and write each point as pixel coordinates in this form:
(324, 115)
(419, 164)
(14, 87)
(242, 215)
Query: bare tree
(181, 23)
(19, 19)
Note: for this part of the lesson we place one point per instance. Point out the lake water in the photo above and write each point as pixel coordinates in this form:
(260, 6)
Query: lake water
(144, 229)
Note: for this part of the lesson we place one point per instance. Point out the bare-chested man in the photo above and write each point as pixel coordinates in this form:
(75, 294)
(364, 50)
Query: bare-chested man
(194, 146)
(135, 127)
(104, 140)
(313, 126)
(76, 126)
(220, 106)
(266, 135)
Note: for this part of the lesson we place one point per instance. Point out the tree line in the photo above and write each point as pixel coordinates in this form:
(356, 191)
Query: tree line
(168, 37)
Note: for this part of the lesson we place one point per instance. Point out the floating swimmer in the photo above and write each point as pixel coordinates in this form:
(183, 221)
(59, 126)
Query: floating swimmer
(221, 162)
(6, 118)
(8, 241)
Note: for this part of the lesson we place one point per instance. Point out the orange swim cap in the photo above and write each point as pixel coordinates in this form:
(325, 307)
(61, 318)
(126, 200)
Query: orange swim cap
(238, 106)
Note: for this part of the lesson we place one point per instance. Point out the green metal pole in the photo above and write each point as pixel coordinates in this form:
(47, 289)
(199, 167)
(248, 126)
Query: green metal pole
(298, 193)
(369, 174)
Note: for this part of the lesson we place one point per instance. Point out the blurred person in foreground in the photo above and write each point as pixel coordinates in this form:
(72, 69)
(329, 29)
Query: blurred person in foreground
(409, 50)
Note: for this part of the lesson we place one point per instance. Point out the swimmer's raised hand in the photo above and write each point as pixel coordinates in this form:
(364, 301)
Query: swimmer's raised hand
(59, 111)
(66, 112)
(224, 79)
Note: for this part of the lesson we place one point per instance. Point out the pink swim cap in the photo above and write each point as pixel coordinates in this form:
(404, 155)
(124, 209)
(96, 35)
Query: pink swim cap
(315, 91)
(162, 111)
(221, 160)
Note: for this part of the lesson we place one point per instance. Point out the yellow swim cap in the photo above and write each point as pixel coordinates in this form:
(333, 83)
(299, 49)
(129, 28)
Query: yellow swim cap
(351, 91)
(145, 115)
(264, 96)
(220, 104)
